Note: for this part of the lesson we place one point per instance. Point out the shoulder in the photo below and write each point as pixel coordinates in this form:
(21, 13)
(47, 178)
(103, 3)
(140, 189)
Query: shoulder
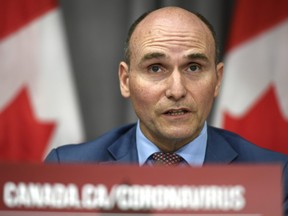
(246, 150)
(93, 151)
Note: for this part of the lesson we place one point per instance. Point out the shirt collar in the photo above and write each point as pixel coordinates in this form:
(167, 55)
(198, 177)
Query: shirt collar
(193, 153)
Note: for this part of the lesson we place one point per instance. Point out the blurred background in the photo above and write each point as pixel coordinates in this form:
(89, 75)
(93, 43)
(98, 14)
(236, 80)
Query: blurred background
(68, 80)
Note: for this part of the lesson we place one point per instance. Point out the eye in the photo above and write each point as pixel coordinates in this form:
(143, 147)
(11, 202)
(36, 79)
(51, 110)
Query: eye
(194, 68)
(155, 68)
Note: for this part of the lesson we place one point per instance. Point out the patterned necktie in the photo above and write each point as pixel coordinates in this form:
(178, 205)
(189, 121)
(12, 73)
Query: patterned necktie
(166, 159)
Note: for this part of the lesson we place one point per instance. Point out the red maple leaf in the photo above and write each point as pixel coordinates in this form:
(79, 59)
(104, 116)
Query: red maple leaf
(263, 124)
(22, 136)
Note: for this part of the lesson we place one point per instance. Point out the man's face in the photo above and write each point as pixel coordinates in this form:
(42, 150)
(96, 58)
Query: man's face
(172, 78)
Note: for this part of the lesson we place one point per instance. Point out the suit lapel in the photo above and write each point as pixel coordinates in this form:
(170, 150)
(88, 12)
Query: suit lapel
(124, 150)
(218, 149)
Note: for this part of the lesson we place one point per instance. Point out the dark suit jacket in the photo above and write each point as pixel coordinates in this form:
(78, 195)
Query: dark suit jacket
(119, 146)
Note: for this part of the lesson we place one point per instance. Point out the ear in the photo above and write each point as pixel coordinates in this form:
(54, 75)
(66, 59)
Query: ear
(123, 73)
(219, 77)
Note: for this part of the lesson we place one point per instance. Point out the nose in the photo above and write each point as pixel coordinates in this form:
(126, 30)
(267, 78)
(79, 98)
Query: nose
(176, 89)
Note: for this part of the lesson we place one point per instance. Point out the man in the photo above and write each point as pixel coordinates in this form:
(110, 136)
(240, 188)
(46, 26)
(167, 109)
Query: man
(171, 74)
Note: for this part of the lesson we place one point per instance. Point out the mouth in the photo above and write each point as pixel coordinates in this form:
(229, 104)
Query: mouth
(176, 112)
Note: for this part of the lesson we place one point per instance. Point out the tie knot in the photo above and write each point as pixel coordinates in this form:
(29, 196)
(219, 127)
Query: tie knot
(167, 159)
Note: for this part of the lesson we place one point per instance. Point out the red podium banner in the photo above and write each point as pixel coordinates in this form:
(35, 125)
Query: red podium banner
(110, 190)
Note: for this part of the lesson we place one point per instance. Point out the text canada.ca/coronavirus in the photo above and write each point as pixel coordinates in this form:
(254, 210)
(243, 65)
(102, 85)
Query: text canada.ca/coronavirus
(124, 197)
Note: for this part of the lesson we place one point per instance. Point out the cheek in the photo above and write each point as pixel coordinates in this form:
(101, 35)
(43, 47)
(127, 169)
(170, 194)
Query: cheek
(143, 97)
(204, 95)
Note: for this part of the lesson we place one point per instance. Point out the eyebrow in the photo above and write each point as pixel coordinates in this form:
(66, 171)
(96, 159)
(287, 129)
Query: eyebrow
(159, 55)
(152, 55)
(194, 56)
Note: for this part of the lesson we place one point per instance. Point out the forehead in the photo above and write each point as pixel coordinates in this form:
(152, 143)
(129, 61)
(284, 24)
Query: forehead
(174, 27)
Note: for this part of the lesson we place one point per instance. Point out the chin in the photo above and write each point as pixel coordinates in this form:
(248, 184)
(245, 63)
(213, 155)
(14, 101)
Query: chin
(180, 135)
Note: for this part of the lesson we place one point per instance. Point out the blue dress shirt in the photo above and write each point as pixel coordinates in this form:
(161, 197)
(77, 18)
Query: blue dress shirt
(193, 153)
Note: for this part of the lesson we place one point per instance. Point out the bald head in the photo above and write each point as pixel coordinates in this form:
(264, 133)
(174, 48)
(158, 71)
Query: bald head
(174, 18)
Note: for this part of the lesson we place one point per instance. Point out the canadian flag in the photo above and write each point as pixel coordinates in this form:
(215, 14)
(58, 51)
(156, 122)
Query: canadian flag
(38, 108)
(254, 95)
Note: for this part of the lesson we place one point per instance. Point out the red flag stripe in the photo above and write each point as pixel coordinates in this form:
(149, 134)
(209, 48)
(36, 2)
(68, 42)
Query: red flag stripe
(251, 18)
(16, 14)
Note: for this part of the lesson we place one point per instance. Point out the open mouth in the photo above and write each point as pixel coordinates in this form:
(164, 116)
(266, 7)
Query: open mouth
(176, 112)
